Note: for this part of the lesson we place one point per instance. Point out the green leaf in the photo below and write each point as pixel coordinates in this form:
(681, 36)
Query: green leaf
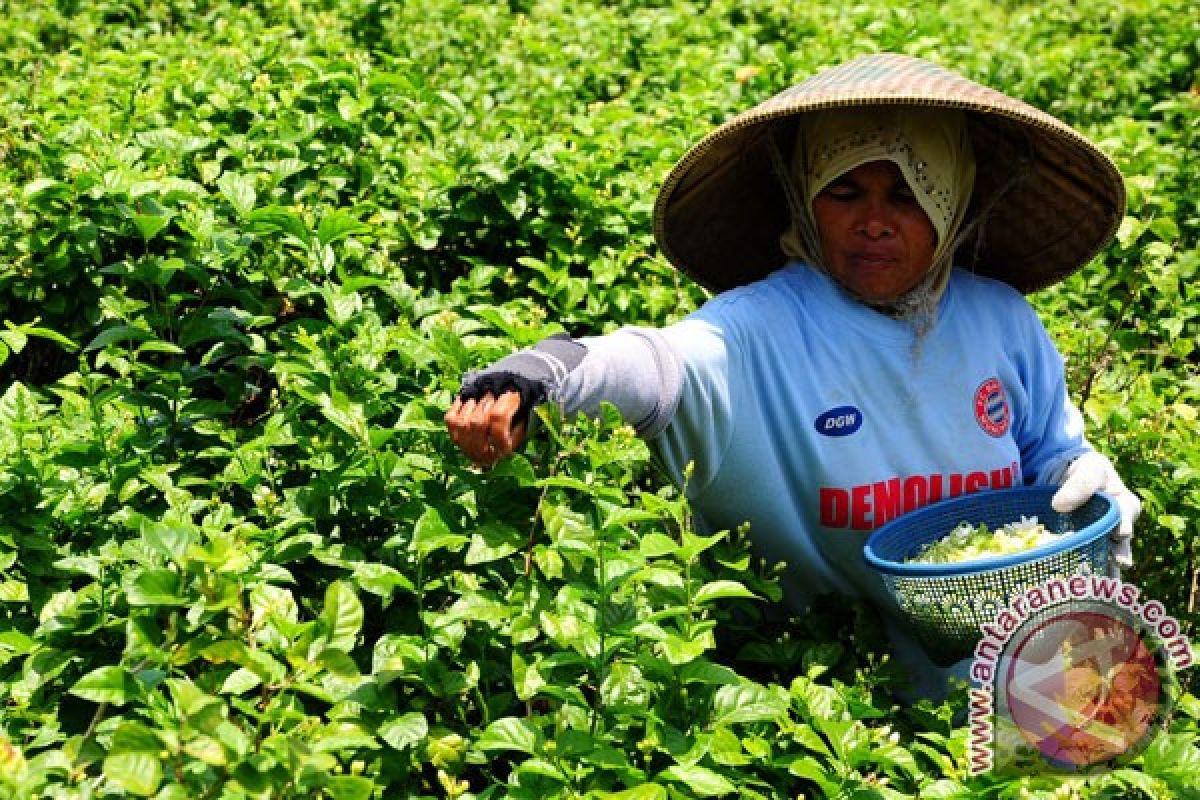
(704, 671)
(701, 780)
(348, 107)
(749, 702)
(678, 650)
(154, 587)
(18, 406)
(134, 737)
(646, 791)
(198, 707)
(172, 140)
(567, 528)
(240, 681)
(14, 591)
(1172, 753)
(171, 540)
(274, 218)
(159, 346)
(694, 545)
(510, 733)
(624, 686)
(135, 773)
(892, 757)
(719, 590)
(571, 630)
(811, 769)
(113, 685)
(339, 224)
(338, 663)
(150, 225)
(517, 467)
(350, 787)
(13, 643)
(536, 769)
(493, 541)
(37, 186)
(380, 579)
(343, 615)
(654, 545)
(345, 414)
(944, 789)
(1129, 230)
(238, 189)
(527, 679)
(1127, 778)
(726, 748)
(271, 604)
(205, 749)
(118, 333)
(1189, 704)
(257, 661)
(207, 325)
(48, 334)
(396, 656)
(431, 534)
(15, 338)
(341, 304)
(405, 730)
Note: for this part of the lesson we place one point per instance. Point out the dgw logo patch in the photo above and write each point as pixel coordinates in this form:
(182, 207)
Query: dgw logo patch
(840, 421)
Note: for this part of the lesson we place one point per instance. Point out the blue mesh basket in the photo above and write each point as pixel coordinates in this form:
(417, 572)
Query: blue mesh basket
(946, 603)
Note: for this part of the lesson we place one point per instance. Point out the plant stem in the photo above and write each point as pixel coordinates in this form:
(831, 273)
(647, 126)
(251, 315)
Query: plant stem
(1101, 363)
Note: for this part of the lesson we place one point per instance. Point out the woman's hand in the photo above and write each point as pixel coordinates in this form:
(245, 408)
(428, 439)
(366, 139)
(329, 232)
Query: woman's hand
(484, 428)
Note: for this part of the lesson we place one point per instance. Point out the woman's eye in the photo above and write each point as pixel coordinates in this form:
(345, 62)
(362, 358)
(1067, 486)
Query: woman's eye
(840, 192)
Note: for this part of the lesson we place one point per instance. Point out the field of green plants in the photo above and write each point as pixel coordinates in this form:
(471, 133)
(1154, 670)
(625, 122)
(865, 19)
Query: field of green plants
(248, 247)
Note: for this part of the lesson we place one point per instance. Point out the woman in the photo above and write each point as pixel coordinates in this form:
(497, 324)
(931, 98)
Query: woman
(847, 373)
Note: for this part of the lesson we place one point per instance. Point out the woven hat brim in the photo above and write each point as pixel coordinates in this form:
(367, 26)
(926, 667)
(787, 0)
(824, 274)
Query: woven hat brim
(721, 209)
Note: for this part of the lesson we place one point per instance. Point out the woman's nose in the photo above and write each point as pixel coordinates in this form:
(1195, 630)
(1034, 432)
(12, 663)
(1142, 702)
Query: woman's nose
(874, 217)
(876, 227)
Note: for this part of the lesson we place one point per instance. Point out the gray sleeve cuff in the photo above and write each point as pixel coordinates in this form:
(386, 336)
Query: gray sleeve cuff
(535, 373)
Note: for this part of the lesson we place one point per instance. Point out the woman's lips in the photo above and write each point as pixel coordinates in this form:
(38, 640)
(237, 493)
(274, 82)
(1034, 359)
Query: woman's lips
(875, 260)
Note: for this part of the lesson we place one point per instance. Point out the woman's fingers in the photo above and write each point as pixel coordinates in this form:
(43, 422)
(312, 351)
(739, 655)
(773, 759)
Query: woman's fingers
(500, 423)
(454, 421)
(484, 429)
(461, 420)
(476, 444)
(518, 436)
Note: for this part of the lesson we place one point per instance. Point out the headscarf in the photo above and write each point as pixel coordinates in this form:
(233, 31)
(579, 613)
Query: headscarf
(933, 151)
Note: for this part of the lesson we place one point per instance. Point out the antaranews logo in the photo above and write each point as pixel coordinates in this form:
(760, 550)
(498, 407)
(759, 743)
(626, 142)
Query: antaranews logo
(1077, 674)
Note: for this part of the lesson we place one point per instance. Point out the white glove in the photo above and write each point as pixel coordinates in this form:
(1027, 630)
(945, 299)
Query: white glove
(1088, 474)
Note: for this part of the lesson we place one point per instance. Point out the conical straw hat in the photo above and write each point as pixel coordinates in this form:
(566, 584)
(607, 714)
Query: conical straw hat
(721, 209)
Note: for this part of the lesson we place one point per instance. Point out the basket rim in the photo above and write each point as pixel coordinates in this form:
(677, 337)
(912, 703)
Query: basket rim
(1084, 535)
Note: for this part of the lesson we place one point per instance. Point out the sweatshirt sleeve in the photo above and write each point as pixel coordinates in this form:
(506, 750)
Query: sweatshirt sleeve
(702, 426)
(672, 384)
(1050, 434)
(632, 368)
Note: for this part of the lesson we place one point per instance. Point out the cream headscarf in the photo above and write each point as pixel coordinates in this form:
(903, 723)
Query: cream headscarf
(933, 151)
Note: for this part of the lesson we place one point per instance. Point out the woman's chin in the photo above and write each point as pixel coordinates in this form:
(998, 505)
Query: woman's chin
(875, 295)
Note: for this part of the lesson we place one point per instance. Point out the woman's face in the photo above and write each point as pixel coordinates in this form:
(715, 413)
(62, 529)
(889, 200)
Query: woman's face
(877, 240)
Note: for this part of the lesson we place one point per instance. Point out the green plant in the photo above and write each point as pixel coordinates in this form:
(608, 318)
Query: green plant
(250, 248)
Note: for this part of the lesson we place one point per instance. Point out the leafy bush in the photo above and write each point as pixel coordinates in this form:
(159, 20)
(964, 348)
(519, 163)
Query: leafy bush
(250, 249)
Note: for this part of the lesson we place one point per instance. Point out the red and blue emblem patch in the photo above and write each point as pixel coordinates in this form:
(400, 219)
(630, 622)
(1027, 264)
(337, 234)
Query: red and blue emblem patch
(991, 407)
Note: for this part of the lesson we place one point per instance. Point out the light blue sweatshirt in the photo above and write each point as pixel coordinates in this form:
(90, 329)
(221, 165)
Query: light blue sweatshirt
(815, 419)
